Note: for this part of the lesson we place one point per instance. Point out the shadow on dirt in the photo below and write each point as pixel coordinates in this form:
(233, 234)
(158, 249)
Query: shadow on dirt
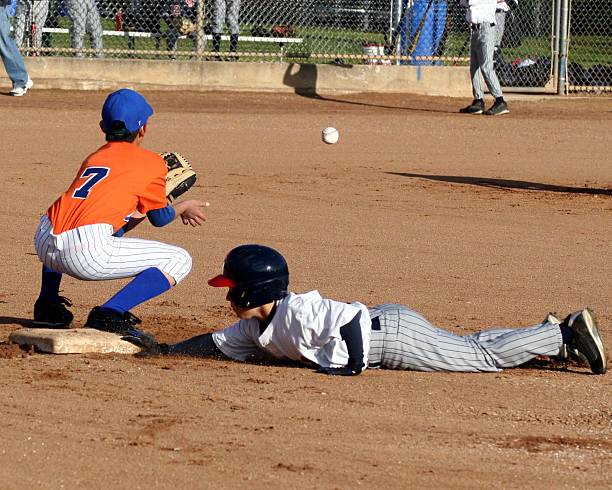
(506, 184)
(303, 79)
(11, 320)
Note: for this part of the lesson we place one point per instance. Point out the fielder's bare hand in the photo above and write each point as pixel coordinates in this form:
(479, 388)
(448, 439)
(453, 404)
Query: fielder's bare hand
(191, 211)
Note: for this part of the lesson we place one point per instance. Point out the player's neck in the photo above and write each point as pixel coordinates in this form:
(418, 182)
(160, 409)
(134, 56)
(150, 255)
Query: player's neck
(266, 314)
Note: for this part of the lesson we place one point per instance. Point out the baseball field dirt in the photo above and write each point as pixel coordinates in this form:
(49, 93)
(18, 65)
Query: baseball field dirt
(474, 221)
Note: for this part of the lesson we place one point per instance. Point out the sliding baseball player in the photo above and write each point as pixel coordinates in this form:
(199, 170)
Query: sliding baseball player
(344, 339)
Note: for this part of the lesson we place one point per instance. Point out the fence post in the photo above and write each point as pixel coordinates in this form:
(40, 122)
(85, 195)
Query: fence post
(200, 21)
(555, 47)
(563, 45)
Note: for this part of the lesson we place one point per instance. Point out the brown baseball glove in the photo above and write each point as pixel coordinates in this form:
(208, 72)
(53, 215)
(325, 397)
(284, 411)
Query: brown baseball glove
(180, 177)
(184, 25)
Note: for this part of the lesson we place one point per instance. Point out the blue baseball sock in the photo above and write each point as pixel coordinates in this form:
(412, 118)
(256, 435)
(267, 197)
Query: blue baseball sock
(50, 284)
(146, 285)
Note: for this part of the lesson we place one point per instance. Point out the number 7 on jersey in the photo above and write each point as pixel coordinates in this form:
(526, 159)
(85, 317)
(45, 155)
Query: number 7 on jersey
(94, 175)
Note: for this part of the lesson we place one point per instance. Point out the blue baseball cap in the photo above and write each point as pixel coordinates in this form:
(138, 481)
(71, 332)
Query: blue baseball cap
(128, 107)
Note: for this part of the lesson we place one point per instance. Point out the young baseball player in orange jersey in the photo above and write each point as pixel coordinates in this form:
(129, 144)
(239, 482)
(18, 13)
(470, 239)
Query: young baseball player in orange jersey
(344, 339)
(116, 187)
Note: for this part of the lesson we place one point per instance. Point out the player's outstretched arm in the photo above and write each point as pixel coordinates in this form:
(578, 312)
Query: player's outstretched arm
(199, 346)
(191, 211)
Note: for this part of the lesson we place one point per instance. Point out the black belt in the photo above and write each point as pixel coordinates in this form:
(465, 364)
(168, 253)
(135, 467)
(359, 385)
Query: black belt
(375, 327)
(475, 27)
(376, 324)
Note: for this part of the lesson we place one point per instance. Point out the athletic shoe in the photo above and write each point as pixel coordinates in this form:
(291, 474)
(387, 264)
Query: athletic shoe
(21, 91)
(476, 107)
(111, 321)
(565, 354)
(497, 109)
(586, 339)
(52, 313)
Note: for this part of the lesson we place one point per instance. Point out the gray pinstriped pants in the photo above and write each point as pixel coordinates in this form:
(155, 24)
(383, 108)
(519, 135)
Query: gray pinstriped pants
(482, 45)
(229, 9)
(34, 10)
(406, 340)
(500, 24)
(85, 19)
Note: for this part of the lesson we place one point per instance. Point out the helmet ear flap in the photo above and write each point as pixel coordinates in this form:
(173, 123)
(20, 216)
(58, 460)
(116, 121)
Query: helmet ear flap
(239, 297)
(260, 294)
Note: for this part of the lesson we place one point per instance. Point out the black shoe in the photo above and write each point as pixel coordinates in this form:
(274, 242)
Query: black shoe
(111, 320)
(586, 339)
(476, 107)
(497, 109)
(52, 313)
(565, 353)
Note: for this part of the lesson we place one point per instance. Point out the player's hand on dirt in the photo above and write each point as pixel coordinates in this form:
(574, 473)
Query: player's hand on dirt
(339, 371)
(146, 341)
(192, 211)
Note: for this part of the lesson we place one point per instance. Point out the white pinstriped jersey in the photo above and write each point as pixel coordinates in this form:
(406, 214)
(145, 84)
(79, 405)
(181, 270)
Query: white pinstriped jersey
(305, 328)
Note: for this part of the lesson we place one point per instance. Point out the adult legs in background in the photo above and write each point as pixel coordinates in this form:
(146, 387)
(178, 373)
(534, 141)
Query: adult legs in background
(11, 57)
(93, 25)
(76, 12)
(20, 21)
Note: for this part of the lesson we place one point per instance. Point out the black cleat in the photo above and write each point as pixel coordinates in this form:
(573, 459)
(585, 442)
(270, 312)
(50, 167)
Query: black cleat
(476, 107)
(565, 353)
(52, 313)
(111, 321)
(586, 339)
(497, 109)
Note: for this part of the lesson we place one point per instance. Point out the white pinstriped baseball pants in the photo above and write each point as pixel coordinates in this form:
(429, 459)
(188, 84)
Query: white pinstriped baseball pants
(406, 340)
(482, 46)
(92, 253)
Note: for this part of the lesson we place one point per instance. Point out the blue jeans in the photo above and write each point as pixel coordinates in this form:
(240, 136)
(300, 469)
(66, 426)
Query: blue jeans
(11, 57)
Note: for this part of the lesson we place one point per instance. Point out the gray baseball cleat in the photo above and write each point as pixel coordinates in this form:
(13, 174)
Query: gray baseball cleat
(587, 340)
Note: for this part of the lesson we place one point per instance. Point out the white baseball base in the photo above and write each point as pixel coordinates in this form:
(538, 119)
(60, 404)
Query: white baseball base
(72, 341)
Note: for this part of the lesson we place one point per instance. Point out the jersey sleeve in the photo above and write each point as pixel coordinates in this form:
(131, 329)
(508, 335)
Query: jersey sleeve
(237, 341)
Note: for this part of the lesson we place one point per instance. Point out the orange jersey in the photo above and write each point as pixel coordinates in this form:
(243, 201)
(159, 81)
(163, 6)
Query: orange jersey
(112, 183)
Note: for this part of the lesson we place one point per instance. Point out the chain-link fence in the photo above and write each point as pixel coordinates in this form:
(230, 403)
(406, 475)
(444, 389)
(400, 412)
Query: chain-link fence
(590, 46)
(432, 32)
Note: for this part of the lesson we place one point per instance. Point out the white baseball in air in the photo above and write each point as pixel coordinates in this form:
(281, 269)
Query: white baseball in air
(330, 135)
